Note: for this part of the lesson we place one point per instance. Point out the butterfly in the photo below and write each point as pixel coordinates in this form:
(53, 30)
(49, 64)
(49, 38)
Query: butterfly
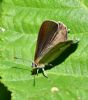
(52, 47)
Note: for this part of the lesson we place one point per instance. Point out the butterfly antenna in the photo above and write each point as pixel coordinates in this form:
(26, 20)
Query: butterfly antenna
(22, 59)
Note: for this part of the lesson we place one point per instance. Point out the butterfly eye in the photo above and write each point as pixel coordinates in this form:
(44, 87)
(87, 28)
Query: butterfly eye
(34, 64)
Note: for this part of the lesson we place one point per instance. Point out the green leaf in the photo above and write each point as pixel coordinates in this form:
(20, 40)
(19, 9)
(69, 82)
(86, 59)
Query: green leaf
(20, 21)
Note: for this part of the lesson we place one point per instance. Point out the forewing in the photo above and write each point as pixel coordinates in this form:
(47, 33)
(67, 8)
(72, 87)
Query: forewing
(50, 34)
(46, 32)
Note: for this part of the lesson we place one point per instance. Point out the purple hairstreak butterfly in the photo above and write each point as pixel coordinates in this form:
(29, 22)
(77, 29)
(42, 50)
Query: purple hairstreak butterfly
(53, 46)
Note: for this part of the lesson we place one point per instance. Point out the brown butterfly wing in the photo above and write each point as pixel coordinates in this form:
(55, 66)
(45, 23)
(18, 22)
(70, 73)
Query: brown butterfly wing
(50, 34)
(48, 28)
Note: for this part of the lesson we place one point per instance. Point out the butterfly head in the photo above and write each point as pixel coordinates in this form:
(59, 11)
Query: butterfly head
(34, 64)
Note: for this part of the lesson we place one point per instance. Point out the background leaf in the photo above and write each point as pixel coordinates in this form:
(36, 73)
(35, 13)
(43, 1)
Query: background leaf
(20, 21)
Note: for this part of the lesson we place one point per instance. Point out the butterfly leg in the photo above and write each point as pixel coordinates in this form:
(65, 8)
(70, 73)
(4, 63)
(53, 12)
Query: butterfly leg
(44, 74)
(37, 70)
